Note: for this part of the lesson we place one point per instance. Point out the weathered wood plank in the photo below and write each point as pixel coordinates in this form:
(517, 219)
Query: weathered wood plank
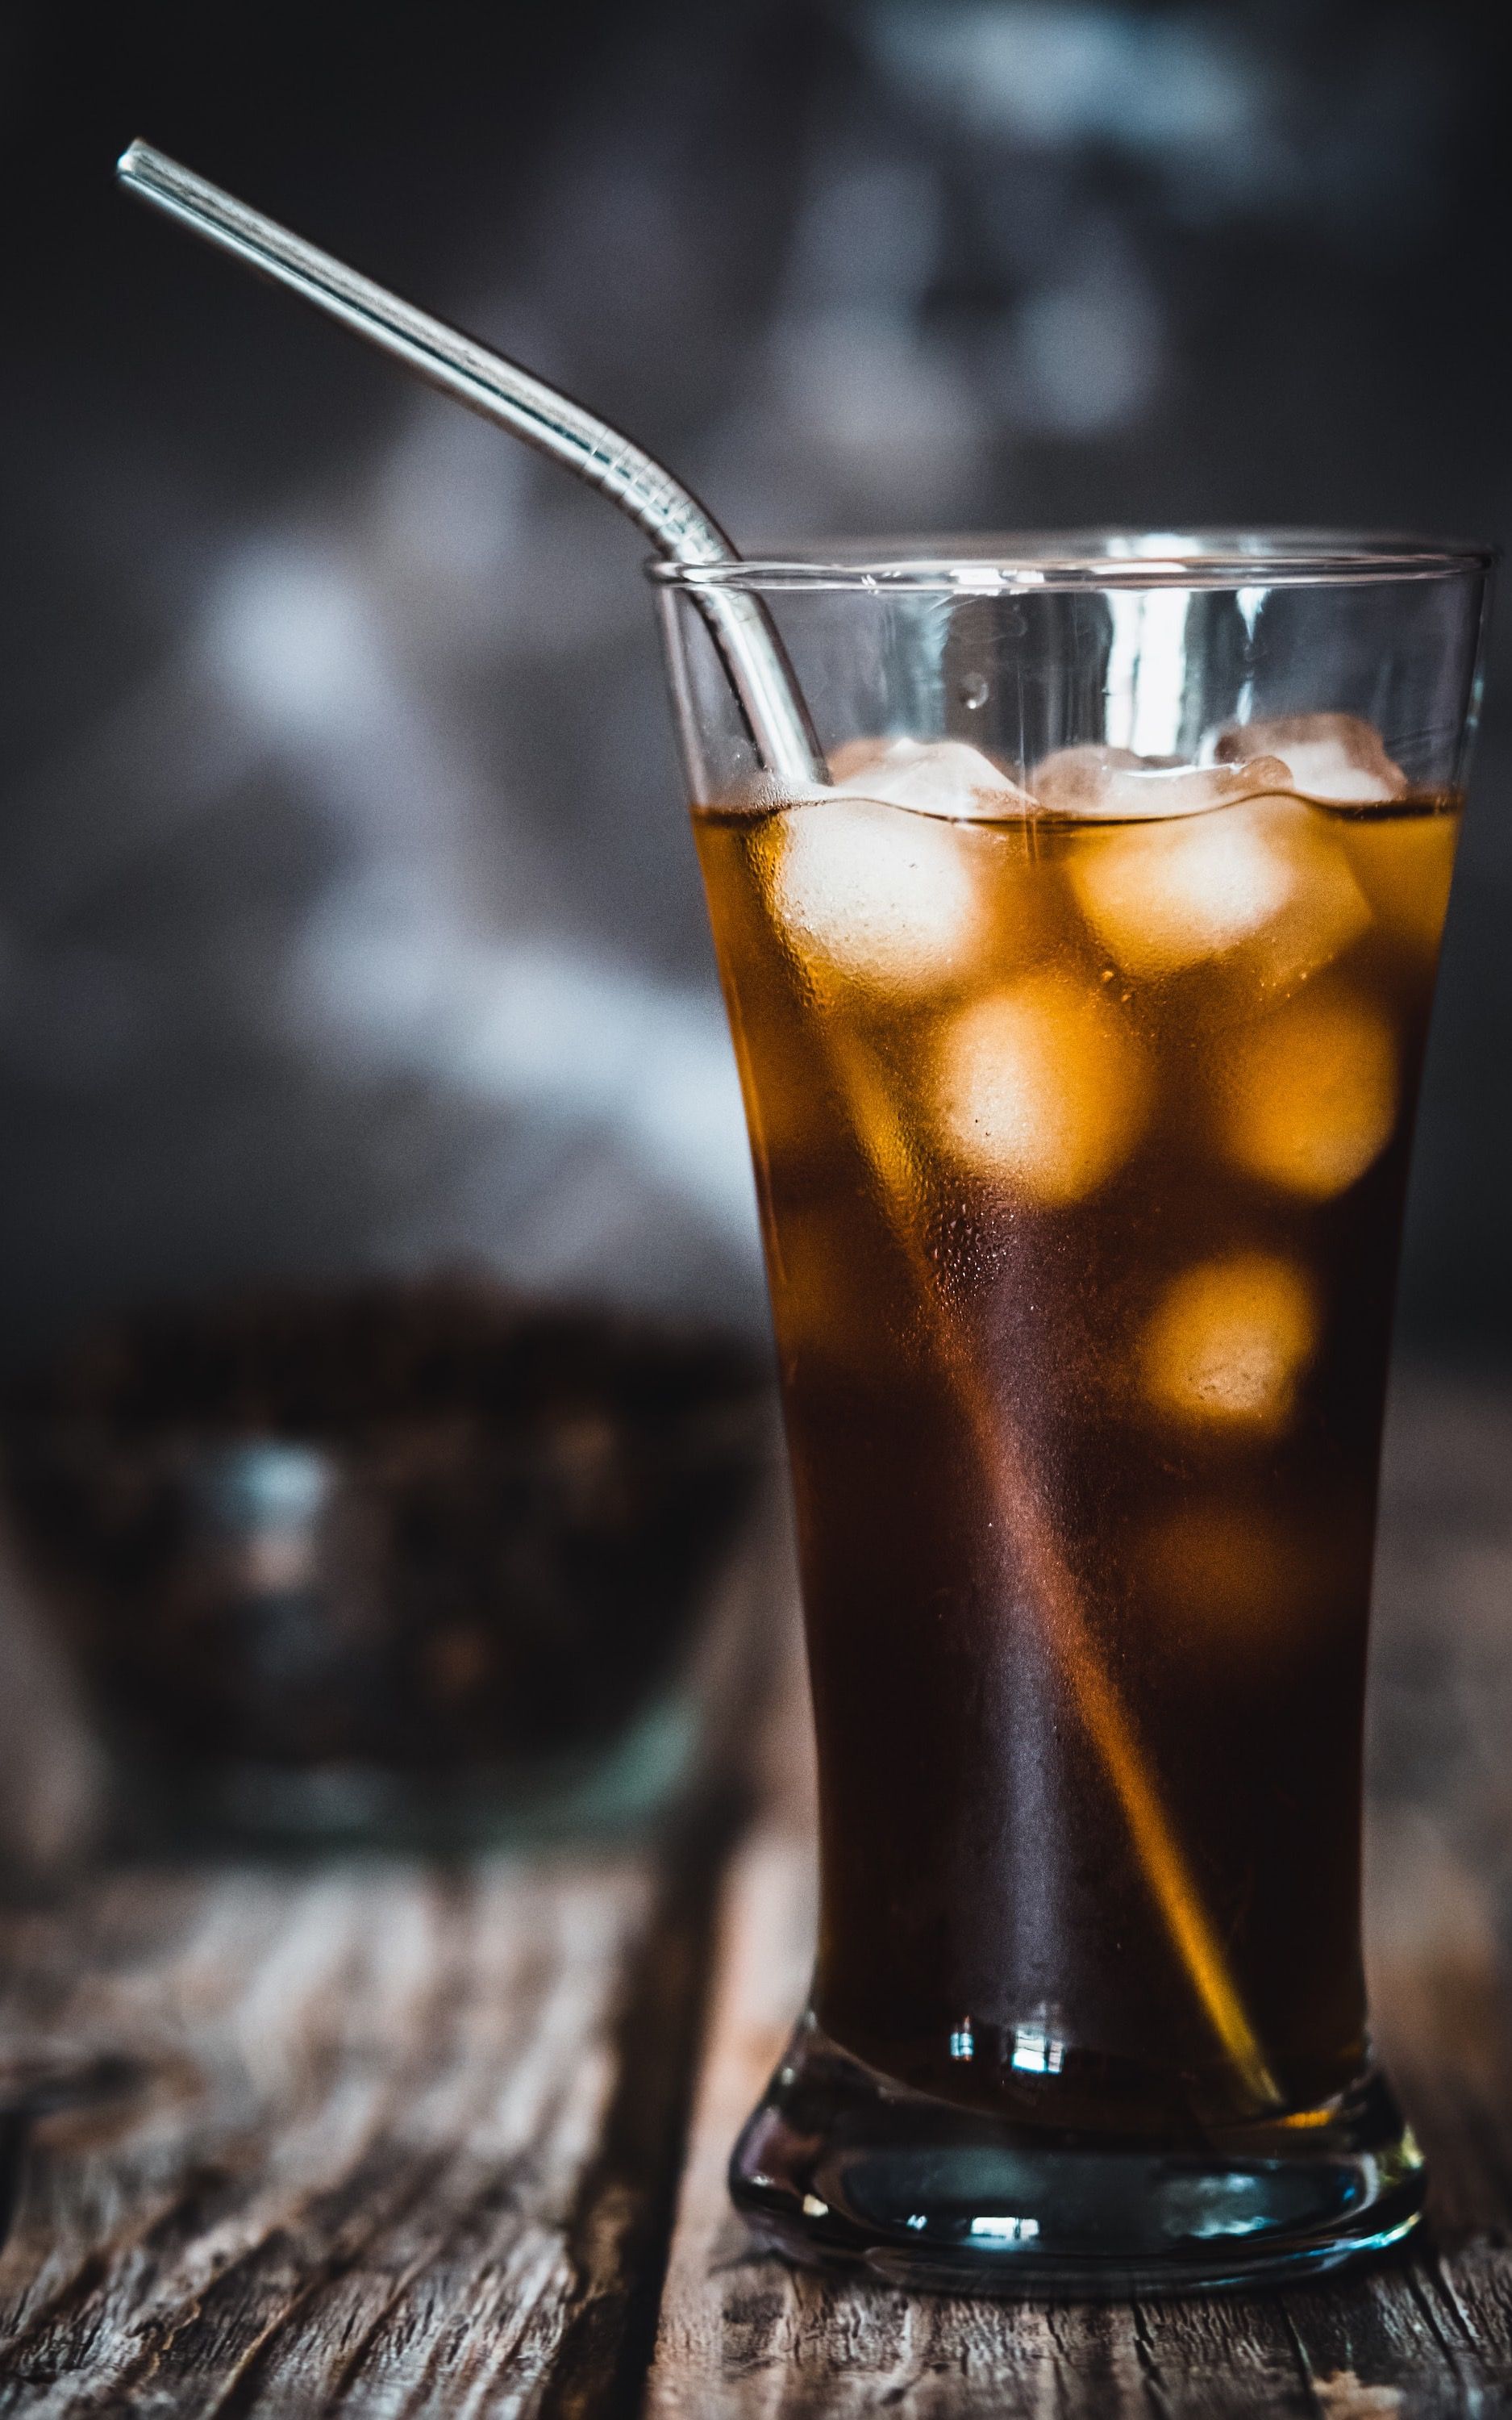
(363, 2167)
(402, 2141)
(389, 2138)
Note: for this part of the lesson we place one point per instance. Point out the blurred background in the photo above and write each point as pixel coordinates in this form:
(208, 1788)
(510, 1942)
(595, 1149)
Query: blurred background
(347, 916)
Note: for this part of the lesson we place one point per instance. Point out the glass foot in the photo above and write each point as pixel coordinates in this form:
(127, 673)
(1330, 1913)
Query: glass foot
(838, 2166)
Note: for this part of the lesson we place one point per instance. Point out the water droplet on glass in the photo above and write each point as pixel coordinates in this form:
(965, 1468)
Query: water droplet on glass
(973, 691)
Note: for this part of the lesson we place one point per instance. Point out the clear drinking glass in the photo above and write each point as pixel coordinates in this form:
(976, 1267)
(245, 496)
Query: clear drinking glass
(1080, 1025)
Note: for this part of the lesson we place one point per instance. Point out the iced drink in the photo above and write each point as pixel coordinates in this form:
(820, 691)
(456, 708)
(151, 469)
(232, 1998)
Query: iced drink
(1087, 1124)
(1080, 1014)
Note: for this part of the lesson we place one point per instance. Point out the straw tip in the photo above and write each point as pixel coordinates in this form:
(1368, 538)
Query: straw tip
(131, 158)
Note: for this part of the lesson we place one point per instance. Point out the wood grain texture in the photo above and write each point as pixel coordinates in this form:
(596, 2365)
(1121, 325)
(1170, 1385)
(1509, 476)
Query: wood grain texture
(390, 2138)
(405, 2139)
(362, 2163)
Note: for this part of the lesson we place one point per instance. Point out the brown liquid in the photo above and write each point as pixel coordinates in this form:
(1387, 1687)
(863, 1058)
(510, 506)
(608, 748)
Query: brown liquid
(1081, 1150)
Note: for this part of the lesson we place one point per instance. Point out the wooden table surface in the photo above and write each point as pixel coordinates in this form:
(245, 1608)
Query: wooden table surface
(448, 2138)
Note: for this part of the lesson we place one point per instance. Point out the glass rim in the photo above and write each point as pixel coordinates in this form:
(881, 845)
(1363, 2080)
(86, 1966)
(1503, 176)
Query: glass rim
(1024, 562)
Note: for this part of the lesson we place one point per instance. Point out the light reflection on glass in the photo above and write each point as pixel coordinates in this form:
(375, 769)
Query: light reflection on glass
(1036, 2051)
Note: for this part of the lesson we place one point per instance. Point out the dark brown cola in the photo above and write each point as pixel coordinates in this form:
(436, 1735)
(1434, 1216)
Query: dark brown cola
(1081, 1146)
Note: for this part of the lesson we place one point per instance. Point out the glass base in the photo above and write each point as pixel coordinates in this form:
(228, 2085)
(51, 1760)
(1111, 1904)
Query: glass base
(840, 2167)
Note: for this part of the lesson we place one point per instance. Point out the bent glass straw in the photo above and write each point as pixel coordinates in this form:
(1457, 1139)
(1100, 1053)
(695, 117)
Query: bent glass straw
(672, 517)
(783, 734)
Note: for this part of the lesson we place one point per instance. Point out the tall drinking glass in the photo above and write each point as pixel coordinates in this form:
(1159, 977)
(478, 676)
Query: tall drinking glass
(1080, 1024)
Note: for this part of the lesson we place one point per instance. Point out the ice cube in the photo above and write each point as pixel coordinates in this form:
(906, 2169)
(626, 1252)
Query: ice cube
(853, 756)
(1172, 893)
(1227, 1342)
(1041, 1088)
(934, 777)
(1311, 1094)
(1336, 757)
(1326, 913)
(1114, 785)
(874, 896)
(1168, 895)
(1076, 781)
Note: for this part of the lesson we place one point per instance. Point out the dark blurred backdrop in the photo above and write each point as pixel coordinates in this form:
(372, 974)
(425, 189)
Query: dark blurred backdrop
(346, 913)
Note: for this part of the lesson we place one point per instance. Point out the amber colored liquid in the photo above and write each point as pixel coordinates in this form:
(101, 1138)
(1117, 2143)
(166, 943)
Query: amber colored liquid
(1081, 1151)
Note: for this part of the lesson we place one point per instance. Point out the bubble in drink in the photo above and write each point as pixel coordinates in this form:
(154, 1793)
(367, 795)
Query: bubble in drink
(1227, 1342)
(1311, 1095)
(1041, 1089)
(1336, 757)
(880, 898)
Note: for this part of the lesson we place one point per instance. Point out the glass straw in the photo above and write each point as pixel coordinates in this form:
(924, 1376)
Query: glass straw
(783, 735)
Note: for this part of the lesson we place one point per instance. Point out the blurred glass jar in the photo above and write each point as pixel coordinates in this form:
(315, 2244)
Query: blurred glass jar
(399, 1563)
